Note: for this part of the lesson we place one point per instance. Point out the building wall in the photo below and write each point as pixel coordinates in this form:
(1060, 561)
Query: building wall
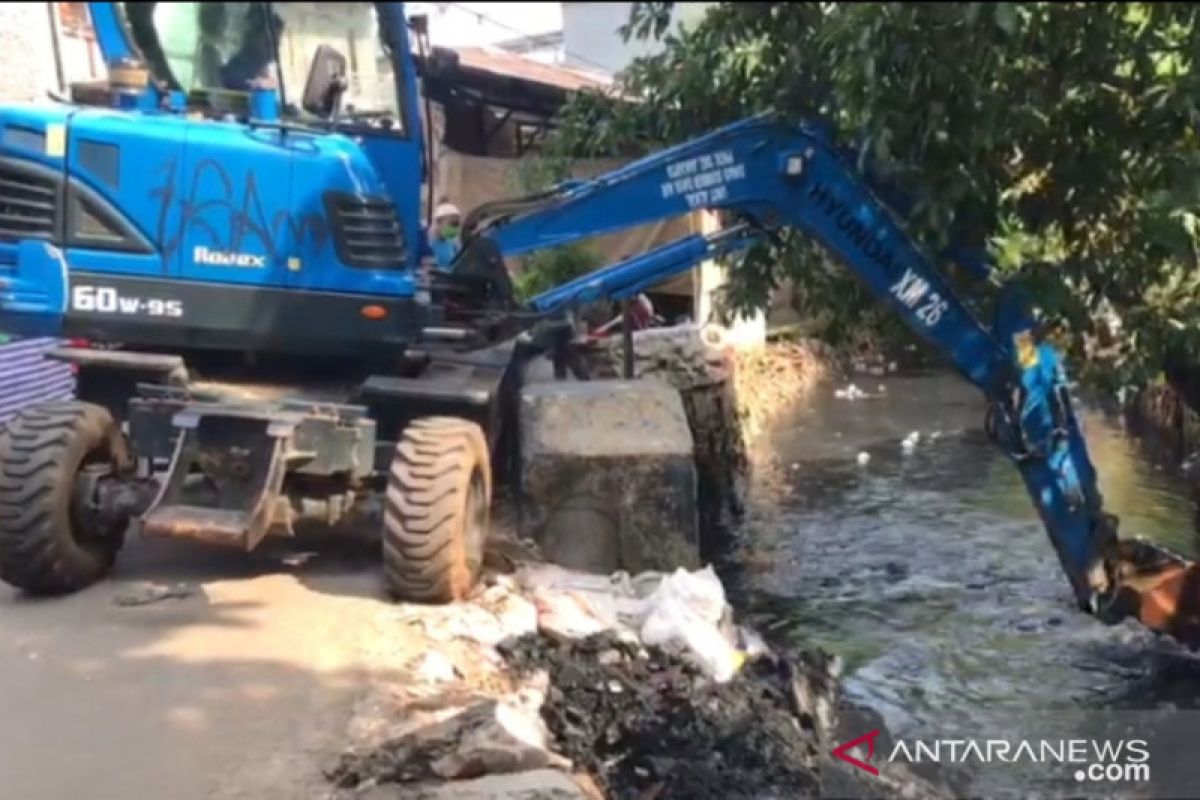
(591, 39)
(27, 71)
(481, 24)
(26, 58)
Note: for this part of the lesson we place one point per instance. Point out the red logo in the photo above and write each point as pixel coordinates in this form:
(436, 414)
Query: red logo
(842, 751)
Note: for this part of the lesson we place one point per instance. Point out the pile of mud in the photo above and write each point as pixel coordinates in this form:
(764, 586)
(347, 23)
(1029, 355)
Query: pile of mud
(647, 724)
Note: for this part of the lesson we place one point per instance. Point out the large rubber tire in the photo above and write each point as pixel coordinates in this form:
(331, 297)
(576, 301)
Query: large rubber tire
(437, 511)
(46, 547)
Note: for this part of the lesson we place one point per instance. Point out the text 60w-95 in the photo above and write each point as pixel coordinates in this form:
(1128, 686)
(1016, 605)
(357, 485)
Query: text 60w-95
(106, 300)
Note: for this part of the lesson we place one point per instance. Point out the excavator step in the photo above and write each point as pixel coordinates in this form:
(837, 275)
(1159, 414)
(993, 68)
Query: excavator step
(227, 527)
(226, 474)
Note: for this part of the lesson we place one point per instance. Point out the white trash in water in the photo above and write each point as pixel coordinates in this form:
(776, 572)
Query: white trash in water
(851, 392)
(864, 458)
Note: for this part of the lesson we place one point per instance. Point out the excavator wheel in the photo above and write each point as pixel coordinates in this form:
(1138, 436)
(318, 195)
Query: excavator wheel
(49, 545)
(437, 509)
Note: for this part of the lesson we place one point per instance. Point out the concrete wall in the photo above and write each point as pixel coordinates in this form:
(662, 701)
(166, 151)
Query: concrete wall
(590, 37)
(26, 56)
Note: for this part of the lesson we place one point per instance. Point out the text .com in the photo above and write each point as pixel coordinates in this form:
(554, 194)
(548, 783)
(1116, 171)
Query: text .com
(1114, 773)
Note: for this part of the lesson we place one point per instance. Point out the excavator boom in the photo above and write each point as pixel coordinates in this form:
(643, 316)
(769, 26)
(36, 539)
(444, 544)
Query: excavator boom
(769, 175)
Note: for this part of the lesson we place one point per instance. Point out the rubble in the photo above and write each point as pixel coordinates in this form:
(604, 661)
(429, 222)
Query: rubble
(148, 593)
(645, 723)
(545, 686)
(540, 784)
(487, 738)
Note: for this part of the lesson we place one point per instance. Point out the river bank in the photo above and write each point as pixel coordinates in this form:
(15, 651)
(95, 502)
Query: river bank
(927, 569)
(910, 591)
(520, 691)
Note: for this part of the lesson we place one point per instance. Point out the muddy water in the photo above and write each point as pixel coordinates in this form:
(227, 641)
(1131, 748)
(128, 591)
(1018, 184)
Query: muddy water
(929, 573)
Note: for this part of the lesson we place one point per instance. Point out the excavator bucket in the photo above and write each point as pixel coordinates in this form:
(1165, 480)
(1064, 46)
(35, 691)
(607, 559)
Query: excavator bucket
(1160, 588)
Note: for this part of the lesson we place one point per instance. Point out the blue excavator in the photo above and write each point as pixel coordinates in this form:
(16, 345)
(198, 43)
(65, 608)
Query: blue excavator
(237, 276)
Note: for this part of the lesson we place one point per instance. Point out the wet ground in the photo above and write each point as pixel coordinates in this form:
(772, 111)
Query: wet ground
(929, 573)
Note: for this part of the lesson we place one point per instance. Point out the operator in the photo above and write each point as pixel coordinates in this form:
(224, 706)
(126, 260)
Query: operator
(251, 65)
(446, 240)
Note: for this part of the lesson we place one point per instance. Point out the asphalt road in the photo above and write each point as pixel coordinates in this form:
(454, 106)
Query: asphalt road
(243, 689)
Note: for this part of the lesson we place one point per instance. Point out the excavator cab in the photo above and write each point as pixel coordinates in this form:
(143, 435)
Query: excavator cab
(243, 168)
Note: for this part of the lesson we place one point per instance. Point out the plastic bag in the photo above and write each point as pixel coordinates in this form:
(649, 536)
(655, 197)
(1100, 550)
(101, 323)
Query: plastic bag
(686, 613)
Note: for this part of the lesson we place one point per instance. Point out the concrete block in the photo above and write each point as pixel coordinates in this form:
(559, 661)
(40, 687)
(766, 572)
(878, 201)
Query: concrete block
(608, 477)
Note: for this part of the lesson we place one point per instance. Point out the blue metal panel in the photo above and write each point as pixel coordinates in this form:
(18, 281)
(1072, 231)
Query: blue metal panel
(336, 163)
(236, 188)
(29, 377)
(151, 193)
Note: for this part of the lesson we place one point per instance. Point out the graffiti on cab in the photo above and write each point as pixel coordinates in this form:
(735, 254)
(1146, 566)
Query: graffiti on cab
(231, 218)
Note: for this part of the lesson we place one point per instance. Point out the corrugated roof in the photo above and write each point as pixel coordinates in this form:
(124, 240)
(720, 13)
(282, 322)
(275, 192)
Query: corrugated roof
(511, 65)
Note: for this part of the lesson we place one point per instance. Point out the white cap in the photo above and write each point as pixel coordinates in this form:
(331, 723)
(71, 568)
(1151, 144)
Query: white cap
(447, 210)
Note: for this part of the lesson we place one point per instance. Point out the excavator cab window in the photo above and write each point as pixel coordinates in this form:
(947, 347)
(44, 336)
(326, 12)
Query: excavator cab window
(217, 52)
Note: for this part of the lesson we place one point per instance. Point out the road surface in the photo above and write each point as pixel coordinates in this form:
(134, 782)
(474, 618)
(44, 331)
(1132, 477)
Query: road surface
(243, 689)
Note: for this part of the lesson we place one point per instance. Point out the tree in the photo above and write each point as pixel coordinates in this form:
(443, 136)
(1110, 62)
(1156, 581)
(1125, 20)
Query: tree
(1062, 137)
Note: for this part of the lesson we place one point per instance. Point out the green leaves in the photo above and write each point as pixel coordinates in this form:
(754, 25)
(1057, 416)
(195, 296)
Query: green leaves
(1063, 132)
(1006, 17)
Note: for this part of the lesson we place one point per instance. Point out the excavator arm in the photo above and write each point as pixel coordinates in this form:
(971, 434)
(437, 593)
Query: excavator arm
(766, 175)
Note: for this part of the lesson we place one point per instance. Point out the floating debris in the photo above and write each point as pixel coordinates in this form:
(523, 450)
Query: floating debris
(851, 392)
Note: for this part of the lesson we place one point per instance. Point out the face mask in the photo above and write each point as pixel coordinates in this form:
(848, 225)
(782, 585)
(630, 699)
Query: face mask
(449, 231)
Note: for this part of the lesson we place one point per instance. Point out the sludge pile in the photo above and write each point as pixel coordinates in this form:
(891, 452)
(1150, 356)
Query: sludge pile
(645, 723)
(558, 684)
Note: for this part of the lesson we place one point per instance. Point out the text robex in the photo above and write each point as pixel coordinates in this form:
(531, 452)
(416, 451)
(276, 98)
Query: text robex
(216, 258)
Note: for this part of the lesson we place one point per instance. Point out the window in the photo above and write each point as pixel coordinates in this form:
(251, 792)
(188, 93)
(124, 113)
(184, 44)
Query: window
(197, 46)
(227, 46)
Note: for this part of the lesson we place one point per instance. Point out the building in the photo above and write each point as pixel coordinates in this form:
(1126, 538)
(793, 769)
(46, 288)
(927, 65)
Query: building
(485, 24)
(545, 48)
(592, 39)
